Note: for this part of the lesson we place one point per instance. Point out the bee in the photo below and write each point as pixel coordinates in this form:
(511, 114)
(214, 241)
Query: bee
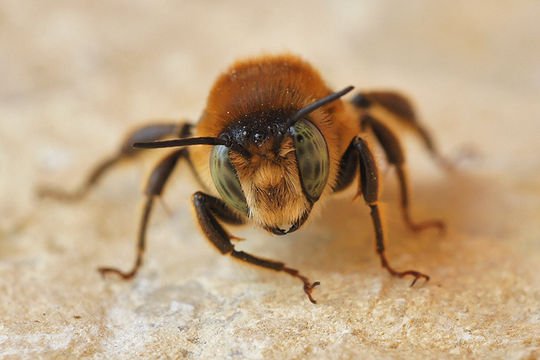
(273, 143)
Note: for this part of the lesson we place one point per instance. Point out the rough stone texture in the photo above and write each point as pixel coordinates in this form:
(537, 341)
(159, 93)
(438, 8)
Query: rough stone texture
(75, 76)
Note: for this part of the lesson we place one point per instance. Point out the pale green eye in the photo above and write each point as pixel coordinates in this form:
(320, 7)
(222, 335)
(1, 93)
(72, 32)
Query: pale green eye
(312, 158)
(225, 179)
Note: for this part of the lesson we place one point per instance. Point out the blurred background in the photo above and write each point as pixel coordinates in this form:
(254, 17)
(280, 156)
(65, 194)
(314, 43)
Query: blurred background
(76, 75)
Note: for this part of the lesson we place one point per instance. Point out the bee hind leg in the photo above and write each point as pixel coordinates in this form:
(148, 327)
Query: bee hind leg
(126, 151)
(400, 109)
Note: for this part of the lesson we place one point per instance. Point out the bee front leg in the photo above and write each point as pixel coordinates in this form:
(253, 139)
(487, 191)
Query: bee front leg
(369, 188)
(126, 151)
(154, 188)
(209, 208)
(395, 156)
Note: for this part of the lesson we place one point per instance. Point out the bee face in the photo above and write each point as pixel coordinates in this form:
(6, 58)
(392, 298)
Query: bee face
(273, 190)
(280, 179)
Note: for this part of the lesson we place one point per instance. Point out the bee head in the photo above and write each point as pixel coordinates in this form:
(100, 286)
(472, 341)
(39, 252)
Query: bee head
(282, 171)
(271, 166)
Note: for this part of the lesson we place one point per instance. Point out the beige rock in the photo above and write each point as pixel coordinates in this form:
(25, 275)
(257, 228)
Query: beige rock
(77, 75)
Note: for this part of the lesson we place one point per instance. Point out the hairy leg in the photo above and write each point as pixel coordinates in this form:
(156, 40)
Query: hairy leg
(126, 151)
(208, 209)
(403, 112)
(395, 157)
(369, 189)
(154, 189)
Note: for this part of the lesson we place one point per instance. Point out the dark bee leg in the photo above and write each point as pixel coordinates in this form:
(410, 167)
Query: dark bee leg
(369, 188)
(143, 134)
(208, 208)
(403, 110)
(154, 188)
(395, 156)
(348, 168)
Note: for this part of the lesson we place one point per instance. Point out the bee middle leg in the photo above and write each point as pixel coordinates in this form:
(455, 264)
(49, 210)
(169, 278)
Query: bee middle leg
(126, 151)
(395, 156)
(154, 189)
(360, 153)
(209, 209)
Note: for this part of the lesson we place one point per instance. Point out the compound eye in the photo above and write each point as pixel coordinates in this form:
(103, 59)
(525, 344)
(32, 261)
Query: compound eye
(226, 180)
(312, 158)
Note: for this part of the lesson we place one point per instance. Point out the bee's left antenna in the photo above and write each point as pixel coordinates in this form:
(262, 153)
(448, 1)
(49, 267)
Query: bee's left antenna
(317, 104)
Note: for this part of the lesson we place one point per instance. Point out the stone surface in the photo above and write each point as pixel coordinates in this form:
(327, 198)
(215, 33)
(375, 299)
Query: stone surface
(76, 76)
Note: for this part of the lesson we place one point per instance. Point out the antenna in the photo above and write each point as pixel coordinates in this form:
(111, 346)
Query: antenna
(192, 141)
(317, 104)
